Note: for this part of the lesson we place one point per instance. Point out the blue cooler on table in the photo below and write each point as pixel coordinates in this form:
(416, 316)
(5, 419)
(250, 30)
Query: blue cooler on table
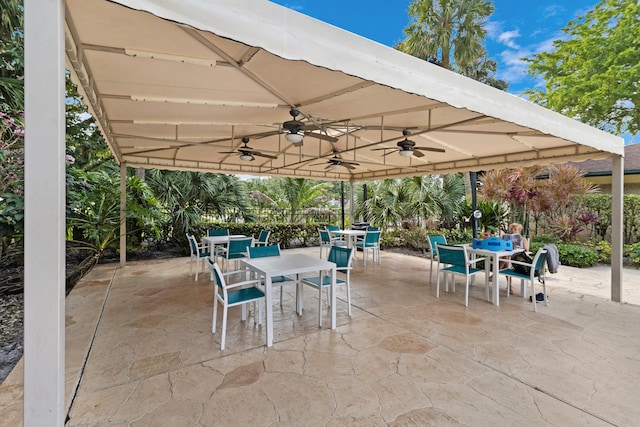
(492, 244)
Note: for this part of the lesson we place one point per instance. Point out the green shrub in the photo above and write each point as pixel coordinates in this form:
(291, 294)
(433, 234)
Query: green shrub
(577, 256)
(602, 249)
(632, 252)
(545, 239)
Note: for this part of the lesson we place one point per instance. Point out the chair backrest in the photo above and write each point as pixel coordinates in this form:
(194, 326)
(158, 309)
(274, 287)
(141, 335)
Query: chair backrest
(341, 256)
(264, 251)
(239, 245)
(218, 278)
(221, 232)
(539, 261)
(371, 237)
(452, 255)
(439, 239)
(193, 244)
(325, 237)
(264, 236)
(371, 228)
(332, 228)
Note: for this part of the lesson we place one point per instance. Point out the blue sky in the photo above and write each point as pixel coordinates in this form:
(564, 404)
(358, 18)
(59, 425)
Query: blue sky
(516, 29)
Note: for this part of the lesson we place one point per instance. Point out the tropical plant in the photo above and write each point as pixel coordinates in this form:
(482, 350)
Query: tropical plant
(93, 219)
(412, 202)
(592, 73)
(447, 32)
(552, 199)
(451, 33)
(297, 196)
(11, 56)
(190, 197)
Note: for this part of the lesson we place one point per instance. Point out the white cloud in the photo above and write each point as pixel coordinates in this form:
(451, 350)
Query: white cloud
(507, 38)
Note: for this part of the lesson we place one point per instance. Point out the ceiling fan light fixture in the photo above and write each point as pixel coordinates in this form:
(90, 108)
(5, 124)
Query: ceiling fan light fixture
(405, 153)
(335, 166)
(246, 157)
(294, 138)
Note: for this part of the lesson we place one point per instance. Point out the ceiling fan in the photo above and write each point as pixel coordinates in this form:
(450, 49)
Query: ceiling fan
(295, 130)
(407, 147)
(336, 162)
(247, 153)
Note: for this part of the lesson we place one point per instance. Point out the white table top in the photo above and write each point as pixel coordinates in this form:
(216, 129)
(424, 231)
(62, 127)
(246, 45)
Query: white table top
(349, 232)
(489, 252)
(287, 264)
(221, 239)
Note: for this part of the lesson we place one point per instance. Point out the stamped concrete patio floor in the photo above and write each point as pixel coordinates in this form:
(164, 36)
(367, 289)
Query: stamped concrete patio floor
(139, 352)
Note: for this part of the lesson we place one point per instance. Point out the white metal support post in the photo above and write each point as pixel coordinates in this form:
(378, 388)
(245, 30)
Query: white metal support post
(617, 207)
(44, 241)
(123, 214)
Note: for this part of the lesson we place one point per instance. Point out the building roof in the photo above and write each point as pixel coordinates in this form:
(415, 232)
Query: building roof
(603, 166)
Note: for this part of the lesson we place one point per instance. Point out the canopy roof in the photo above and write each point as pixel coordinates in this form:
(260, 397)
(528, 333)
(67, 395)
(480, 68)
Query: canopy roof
(176, 84)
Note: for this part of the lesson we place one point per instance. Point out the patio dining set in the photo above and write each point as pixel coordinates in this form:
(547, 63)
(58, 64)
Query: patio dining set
(246, 270)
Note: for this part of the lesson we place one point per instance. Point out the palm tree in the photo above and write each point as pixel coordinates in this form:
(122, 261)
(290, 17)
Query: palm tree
(410, 202)
(449, 33)
(188, 196)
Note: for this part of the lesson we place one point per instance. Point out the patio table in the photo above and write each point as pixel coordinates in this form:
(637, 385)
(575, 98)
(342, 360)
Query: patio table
(214, 241)
(351, 235)
(495, 262)
(287, 265)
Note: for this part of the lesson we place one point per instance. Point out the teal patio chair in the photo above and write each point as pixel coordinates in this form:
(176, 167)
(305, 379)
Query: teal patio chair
(198, 252)
(325, 240)
(456, 259)
(236, 249)
(370, 242)
(263, 238)
(231, 295)
(335, 239)
(269, 251)
(536, 272)
(218, 232)
(343, 258)
(432, 240)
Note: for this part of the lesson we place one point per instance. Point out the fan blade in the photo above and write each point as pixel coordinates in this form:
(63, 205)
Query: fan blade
(318, 164)
(268, 156)
(435, 150)
(307, 127)
(320, 136)
(227, 152)
(349, 166)
(383, 148)
(418, 153)
(347, 162)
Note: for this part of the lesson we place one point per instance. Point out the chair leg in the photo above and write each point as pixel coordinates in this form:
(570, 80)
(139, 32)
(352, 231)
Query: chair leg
(438, 282)
(225, 312)
(349, 297)
(197, 259)
(191, 265)
(281, 295)
(533, 296)
(320, 303)
(215, 315)
(466, 292)
(431, 270)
